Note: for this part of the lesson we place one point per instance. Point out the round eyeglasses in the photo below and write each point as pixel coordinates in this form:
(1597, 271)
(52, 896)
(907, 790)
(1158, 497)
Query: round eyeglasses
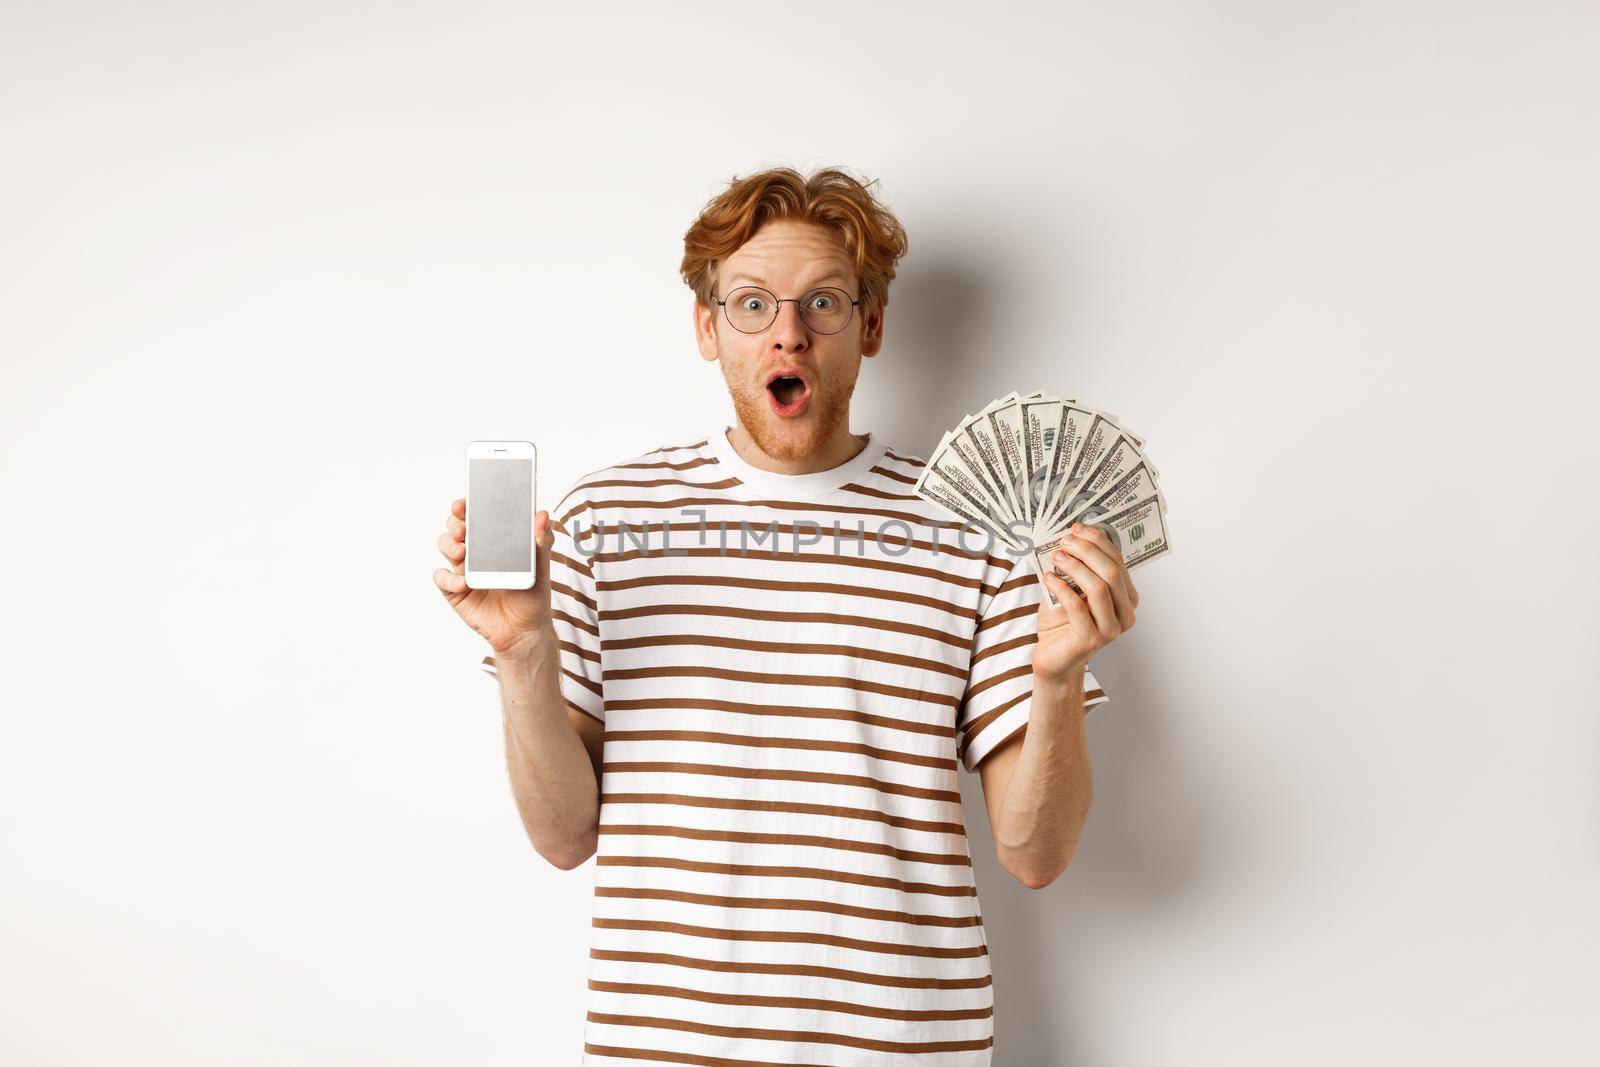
(752, 309)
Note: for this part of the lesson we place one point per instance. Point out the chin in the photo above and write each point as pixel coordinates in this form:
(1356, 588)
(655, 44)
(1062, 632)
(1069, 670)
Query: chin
(788, 439)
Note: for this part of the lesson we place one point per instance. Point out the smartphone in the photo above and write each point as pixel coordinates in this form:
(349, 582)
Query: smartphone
(500, 548)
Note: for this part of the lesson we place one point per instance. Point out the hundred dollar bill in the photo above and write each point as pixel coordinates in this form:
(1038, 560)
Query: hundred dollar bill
(1041, 429)
(1118, 458)
(1005, 428)
(949, 484)
(1075, 419)
(985, 445)
(967, 452)
(1099, 433)
(1135, 484)
(1137, 530)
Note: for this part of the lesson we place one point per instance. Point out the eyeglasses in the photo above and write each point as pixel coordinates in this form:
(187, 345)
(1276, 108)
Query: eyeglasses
(752, 309)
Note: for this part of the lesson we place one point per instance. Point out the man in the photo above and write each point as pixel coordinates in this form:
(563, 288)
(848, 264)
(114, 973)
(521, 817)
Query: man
(749, 667)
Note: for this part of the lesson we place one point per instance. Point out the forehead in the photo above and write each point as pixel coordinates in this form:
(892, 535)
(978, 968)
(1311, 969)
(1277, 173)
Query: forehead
(789, 251)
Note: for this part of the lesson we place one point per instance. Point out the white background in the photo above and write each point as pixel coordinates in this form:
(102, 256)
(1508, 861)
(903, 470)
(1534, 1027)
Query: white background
(265, 269)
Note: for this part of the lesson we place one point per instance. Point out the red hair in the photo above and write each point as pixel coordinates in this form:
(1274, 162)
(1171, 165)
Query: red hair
(872, 237)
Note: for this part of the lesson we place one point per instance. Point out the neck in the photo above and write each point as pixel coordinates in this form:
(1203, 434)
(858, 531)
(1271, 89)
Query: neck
(842, 447)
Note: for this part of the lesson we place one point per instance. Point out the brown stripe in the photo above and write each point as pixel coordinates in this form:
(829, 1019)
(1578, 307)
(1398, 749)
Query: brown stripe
(797, 808)
(896, 981)
(1026, 578)
(867, 562)
(567, 590)
(896, 475)
(751, 870)
(976, 726)
(982, 722)
(804, 744)
(651, 483)
(577, 565)
(575, 621)
(792, 710)
(792, 937)
(814, 1037)
(664, 1056)
(593, 687)
(827, 618)
(904, 459)
(788, 904)
(771, 505)
(581, 653)
(1000, 679)
(788, 648)
(1029, 638)
(880, 494)
(1007, 616)
(740, 837)
(702, 461)
(678, 448)
(822, 777)
(738, 582)
(697, 671)
(802, 1003)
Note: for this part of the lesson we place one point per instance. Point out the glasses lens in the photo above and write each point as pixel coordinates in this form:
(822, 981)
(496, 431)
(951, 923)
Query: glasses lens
(825, 310)
(750, 309)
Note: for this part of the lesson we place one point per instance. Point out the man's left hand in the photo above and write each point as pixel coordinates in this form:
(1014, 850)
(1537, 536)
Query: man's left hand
(1083, 625)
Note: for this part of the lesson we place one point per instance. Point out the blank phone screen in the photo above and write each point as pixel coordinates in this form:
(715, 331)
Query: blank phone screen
(500, 519)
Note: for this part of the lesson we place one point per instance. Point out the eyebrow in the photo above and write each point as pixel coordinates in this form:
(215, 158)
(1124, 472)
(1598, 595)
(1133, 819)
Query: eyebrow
(834, 275)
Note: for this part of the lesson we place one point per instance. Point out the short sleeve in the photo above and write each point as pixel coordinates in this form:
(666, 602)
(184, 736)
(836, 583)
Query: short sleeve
(574, 609)
(999, 692)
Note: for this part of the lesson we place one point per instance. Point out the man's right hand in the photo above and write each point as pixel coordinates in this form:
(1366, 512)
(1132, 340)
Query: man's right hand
(513, 621)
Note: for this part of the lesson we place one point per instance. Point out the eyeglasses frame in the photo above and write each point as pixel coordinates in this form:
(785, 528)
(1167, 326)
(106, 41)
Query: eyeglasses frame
(777, 301)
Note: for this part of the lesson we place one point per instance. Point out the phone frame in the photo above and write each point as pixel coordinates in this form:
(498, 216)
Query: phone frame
(502, 579)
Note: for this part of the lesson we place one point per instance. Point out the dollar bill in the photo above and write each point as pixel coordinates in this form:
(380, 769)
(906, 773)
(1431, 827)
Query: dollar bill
(1116, 460)
(1100, 433)
(986, 446)
(947, 482)
(1138, 531)
(1005, 428)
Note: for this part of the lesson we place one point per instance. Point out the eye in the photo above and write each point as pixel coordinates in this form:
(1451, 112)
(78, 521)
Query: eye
(826, 298)
(752, 302)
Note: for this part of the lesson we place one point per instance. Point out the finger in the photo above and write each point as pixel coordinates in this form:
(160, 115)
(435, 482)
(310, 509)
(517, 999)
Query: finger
(1072, 604)
(1099, 536)
(454, 551)
(451, 583)
(456, 528)
(1054, 614)
(1101, 604)
(1106, 562)
(544, 538)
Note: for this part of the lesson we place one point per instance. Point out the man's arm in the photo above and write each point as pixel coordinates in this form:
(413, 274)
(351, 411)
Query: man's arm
(1038, 793)
(553, 754)
(1038, 785)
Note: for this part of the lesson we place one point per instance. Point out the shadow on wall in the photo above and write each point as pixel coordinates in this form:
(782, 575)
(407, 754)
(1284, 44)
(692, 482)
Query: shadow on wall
(1156, 829)
(927, 376)
(1154, 837)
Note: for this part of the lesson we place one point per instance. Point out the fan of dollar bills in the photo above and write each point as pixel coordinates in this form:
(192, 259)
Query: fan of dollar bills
(1025, 468)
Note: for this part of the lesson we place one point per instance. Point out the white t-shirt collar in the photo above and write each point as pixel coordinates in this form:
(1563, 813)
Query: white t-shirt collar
(791, 486)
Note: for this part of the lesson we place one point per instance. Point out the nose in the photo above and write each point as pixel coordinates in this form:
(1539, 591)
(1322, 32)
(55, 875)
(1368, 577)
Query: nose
(789, 332)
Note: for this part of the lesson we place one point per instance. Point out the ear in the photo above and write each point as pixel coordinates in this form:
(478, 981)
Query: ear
(705, 331)
(872, 333)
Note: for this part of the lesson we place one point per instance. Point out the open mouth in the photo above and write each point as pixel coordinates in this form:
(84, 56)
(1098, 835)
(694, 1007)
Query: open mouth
(789, 392)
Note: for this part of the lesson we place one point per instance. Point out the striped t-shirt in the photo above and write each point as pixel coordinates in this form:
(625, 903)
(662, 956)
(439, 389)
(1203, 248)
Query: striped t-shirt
(789, 668)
